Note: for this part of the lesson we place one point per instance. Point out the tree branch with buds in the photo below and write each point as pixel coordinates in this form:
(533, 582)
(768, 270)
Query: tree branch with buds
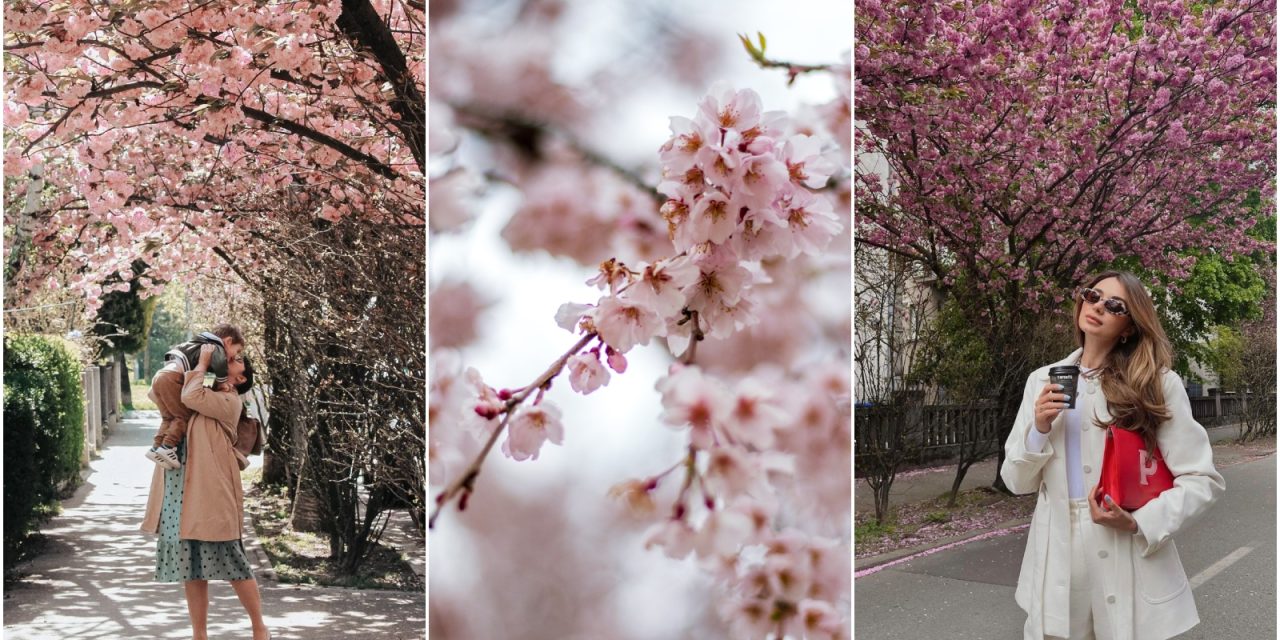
(756, 52)
(465, 484)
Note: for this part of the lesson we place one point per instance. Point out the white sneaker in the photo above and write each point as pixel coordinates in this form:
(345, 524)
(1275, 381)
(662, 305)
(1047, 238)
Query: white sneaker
(164, 456)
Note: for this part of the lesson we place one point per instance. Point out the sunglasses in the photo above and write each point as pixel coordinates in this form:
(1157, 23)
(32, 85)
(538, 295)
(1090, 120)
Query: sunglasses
(1114, 306)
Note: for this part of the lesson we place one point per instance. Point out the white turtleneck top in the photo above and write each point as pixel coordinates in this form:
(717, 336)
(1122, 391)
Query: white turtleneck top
(1073, 425)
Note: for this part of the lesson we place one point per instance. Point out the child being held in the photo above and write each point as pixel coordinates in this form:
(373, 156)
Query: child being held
(166, 385)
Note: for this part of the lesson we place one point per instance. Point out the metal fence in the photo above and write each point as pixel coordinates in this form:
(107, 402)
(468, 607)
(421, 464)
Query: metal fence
(939, 431)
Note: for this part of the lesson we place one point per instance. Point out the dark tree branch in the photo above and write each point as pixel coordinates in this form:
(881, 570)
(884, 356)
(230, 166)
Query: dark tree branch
(361, 22)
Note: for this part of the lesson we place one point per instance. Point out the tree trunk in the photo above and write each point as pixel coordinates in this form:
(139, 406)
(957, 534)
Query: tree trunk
(277, 456)
(306, 514)
(882, 500)
(126, 385)
(961, 470)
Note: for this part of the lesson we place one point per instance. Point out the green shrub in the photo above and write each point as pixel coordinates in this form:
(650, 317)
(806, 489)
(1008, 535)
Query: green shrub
(43, 430)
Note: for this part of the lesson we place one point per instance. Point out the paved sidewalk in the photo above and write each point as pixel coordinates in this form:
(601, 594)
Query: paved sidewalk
(94, 579)
(403, 536)
(919, 485)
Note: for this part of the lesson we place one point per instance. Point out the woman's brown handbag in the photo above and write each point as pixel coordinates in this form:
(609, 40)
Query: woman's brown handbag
(249, 440)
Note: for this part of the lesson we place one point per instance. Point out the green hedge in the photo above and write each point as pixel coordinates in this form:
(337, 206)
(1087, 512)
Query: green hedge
(43, 430)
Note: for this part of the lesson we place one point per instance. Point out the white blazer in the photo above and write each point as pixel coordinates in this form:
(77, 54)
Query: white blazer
(1145, 583)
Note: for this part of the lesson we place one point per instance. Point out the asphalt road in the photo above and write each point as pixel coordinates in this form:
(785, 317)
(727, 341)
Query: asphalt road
(967, 592)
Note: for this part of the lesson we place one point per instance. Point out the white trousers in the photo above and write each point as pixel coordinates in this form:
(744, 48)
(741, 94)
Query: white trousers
(1088, 603)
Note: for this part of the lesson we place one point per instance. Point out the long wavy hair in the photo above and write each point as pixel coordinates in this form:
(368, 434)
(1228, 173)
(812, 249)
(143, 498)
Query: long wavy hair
(1132, 371)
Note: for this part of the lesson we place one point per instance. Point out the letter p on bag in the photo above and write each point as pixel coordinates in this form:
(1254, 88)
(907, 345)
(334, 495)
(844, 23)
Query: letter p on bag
(1146, 467)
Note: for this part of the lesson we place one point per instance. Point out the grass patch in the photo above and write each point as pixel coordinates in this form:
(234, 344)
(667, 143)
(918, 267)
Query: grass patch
(870, 529)
(303, 558)
(141, 402)
(922, 523)
(937, 517)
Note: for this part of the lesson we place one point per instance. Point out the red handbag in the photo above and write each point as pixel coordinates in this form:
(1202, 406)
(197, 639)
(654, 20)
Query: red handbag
(1129, 475)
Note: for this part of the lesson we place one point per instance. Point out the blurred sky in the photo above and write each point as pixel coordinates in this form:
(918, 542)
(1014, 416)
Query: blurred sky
(613, 434)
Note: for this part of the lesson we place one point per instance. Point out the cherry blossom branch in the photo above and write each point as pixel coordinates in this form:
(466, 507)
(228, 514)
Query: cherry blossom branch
(465, 484)
(793, 69)
(361, 22)
(525, 134)
(696, 337)
(690, 471)
(377, 166)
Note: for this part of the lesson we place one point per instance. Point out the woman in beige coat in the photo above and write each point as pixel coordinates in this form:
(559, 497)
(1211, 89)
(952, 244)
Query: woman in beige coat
(1090, 568)
(197, 509)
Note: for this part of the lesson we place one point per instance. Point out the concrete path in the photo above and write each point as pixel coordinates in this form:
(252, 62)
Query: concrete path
(94, 580)
(926, 484)
(966, 593)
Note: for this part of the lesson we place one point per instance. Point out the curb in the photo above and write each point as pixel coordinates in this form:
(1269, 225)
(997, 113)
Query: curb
(420, 570)
(890, 556)
(264, 570)
(1254, 457)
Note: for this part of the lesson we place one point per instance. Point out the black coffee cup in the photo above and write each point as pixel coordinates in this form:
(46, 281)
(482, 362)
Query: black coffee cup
(1066, 376)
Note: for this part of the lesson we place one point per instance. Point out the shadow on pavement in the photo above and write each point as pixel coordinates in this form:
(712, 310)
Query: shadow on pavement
(94, 578)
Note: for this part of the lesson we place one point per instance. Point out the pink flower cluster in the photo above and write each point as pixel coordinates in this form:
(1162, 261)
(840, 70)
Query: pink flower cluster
(749, 442)
(993, 133)
(734, 172)
(585, 213)
(795, 587)
(740, 189)
(154, 161)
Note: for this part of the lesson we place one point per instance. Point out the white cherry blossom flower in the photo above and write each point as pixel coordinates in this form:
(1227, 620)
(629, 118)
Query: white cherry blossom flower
(731, 472)
(807, 163)
(624, 324)
(660, 285)
(714, 217)
(693, 399)
(810, 219)
(675, 536)
(819, 620)
(721, 280)
(530, 428)
(727, 108)
(569, 313)
(586, 374)
(760, 177)
(679, 151)
(722, 534)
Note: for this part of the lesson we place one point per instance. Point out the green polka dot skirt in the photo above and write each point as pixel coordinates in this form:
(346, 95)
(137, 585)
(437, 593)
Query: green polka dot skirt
(180, 560)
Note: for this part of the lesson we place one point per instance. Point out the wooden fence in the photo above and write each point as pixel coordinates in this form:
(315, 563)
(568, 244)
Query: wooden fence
(1217, 409)
(939, 431)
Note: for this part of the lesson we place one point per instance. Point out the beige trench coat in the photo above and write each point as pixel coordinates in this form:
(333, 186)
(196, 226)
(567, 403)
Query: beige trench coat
(212, 498)
(1146, 585)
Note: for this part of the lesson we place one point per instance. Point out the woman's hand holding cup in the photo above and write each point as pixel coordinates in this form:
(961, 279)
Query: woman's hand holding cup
(1049, 405)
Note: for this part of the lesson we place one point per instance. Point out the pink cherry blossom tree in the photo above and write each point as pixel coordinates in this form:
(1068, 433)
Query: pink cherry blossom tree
(272, 153)
(1027, 145)
(712, 256)
(166, 131)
